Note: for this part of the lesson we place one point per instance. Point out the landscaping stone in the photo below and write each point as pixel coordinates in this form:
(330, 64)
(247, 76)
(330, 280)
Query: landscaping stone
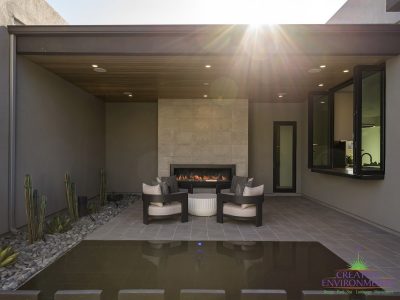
(35, 257)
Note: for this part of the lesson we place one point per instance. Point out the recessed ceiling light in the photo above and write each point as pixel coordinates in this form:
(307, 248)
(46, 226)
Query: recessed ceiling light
(322, 102)
(207, 66)
(320, 84)
(205, 96)
(206, 83)
(281, 95)
(99, 70)
(95, 66)
(346, 71)
(314, 70)
(322, 66)
(129, 94)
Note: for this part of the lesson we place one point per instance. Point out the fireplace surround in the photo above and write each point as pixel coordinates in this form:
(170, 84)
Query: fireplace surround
(203, 131)
(191, 176)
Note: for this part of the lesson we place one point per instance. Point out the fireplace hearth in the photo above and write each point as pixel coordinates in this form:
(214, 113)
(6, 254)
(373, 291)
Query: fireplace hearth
(191, 176)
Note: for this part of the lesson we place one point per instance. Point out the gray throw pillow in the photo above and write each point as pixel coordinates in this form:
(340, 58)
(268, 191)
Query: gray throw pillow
(172, 183)
(164, 188)
(238, 190)
(233, 184)
(163, 185)
(238, 180)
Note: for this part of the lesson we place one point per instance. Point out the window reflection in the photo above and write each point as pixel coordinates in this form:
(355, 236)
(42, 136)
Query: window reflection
(371, 120)
(342, 155)
(346, 133)
(321, 131)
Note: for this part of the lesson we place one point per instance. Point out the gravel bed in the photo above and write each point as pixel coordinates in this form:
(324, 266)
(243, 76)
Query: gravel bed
(35, 257)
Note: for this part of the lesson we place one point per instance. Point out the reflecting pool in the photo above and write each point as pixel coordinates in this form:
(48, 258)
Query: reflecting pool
(174, 265)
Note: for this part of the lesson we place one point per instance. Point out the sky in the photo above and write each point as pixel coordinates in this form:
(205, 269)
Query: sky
(84, 12)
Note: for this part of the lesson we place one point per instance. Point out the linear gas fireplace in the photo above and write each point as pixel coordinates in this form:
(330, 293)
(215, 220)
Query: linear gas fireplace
(191, 176)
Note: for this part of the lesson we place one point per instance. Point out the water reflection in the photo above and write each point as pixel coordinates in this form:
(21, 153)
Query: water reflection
(175, 265)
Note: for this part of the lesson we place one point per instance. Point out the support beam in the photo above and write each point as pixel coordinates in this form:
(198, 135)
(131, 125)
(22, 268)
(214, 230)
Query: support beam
(328, 39)
(12, 139)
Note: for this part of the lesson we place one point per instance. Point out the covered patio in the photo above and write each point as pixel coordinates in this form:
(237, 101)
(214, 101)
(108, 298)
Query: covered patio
(139, 100)
(124, 71)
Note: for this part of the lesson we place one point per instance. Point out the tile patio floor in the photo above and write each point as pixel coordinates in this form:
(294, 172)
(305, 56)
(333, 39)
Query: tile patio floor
(284, 219)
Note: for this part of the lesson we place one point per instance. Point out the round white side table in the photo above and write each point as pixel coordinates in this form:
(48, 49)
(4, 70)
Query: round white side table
(203, 205)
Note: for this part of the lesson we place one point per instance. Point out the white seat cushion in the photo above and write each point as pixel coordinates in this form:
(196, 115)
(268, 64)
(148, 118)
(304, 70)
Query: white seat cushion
(165, 210)
(237, 211)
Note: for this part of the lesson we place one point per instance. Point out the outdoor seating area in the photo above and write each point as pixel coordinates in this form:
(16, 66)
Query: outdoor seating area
(241, 200)
(217, 150)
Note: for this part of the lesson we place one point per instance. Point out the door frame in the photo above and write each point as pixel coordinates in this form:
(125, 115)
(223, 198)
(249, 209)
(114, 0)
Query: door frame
(276, 126)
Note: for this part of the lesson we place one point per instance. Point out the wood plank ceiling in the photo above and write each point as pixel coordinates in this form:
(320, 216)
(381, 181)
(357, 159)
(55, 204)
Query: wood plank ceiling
(149, 78)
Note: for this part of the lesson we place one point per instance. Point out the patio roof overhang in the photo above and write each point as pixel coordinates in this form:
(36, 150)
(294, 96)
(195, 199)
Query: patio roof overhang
(327, 39)
(167, 61)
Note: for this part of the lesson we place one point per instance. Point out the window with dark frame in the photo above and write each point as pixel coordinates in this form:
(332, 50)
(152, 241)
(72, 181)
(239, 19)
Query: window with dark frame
(319, 125)
(346, 134)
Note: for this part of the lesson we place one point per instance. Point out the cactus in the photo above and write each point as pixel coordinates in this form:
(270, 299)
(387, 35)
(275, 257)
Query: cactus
(93, 207)
(7, 256)
(59, 224)
(103, 187)
(41, 216)
(35, 211)
(70, 196)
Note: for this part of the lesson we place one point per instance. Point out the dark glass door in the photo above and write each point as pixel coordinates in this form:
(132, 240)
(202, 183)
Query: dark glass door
(285, 135)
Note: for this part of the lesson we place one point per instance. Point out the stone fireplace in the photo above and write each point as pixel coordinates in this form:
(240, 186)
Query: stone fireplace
(203, 131)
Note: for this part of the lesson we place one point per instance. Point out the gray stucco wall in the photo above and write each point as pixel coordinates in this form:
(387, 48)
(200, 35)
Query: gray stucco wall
(374, 200)
(131, 145)
(261, 118)
(60, 128)
(131, 142)
(4, 98)
(364, 12)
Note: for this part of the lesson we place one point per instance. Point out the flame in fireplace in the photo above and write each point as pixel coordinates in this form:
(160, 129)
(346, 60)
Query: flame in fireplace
(207, 178)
